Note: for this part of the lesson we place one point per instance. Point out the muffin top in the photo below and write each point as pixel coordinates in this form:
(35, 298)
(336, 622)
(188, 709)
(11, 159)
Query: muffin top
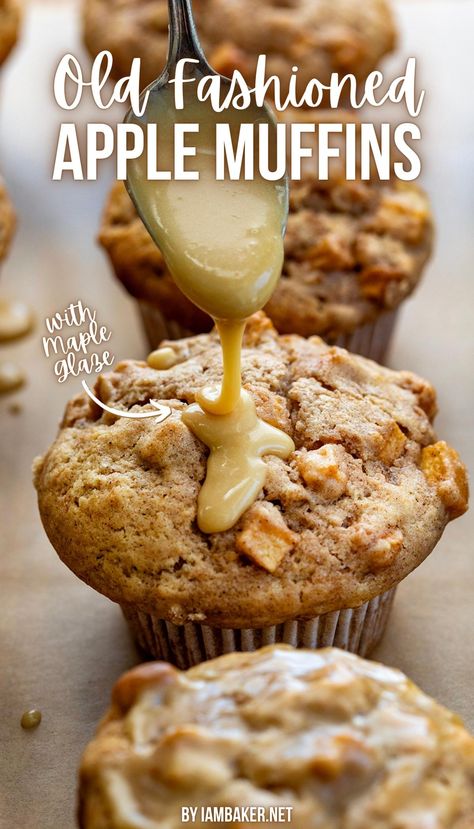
(345, 743)
(319, 36)
(9, 25)
(353, 249)
(358, 505)
(128, 29)
(7, 221)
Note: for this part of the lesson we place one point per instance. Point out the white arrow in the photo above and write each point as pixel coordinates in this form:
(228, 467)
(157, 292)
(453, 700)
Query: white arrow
(160, 413)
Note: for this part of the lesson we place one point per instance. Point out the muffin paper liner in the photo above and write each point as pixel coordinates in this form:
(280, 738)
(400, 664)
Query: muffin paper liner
(353, 629)
(370, 340)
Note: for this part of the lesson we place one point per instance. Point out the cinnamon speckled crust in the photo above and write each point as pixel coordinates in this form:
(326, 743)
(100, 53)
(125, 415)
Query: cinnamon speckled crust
(118, 497)
(9, 24)
(353, 249)
(346, 743)
(319, 36)
(7, 221)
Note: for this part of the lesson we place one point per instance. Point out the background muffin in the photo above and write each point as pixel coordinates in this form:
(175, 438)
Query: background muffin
(342, 741)
(354, 251)
(319, 36)
(359, 504)
(9, 25)
(128, 29)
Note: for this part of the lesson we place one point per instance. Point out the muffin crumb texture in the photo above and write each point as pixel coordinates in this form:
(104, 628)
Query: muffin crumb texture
(319, 36)
(359, 504)
(348, 744)
(353, 250)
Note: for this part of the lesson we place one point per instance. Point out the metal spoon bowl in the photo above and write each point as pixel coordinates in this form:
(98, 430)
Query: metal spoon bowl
(221, 235)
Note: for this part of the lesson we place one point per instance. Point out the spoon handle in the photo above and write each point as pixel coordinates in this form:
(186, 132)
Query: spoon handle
(183, 38)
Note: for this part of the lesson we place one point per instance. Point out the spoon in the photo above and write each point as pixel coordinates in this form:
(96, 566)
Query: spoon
(197, 223)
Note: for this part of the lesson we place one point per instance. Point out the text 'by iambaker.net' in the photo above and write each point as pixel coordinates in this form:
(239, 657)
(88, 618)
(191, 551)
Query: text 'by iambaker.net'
(236, 814)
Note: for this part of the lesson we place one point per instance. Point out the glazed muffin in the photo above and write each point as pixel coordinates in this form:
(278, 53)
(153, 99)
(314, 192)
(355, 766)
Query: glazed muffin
(319, 740)
(9, 25)
(314, 561)
(354, 251)
(319, 36)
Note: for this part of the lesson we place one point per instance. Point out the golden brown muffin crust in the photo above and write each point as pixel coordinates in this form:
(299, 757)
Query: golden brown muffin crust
(356, 513)
(352, 250)
(348, 744)
(319, 36)
(9, 25)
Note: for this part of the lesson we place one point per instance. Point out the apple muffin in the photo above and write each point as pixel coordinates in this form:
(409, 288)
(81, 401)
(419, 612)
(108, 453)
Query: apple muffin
(354, 252)
(317, 740)
(314, 561)
(318, 36)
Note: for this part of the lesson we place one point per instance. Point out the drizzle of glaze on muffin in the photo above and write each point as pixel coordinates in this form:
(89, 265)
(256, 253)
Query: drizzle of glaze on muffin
(342, 741)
